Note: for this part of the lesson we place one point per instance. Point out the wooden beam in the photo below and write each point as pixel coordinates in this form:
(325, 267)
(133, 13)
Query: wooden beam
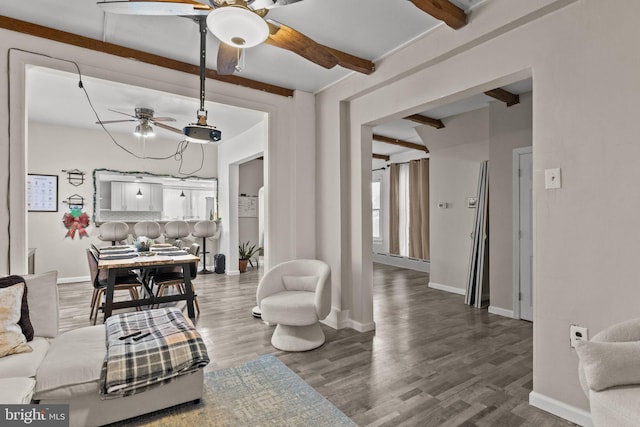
(424, 120)
(400, 142)
(351, 62)
(443, 10)
(138, 55)
(504, 96)
(381, 157)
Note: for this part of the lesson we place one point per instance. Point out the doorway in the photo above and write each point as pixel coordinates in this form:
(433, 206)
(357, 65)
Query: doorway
(522, 234)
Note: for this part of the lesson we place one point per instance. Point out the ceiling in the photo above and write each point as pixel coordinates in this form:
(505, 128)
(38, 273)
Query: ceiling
(370, 29)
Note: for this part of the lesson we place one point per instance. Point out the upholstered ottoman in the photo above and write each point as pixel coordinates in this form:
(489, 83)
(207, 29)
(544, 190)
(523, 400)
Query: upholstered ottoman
(70, 374)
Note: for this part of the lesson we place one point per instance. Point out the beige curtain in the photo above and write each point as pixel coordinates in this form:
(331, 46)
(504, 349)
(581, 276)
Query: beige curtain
(394, 210)
(419, 209)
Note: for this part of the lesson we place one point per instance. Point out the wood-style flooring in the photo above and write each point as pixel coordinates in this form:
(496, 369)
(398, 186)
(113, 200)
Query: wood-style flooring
(432, 361)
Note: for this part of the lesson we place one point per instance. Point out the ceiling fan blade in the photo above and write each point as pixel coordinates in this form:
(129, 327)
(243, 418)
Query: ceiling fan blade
(106, 122)
(120, 112)
(270, 4)
(162, 119)
(287, 38)
(227, 59)
(155, 7)
(167, 127)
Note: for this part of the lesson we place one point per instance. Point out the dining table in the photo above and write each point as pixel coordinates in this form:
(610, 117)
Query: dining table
(123, 259)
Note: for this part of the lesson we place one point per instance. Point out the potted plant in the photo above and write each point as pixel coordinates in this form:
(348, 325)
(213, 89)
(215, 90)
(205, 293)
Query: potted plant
(246, 252)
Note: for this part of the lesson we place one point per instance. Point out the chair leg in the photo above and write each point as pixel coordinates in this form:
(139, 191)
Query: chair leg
(93, 302)
(96, 306)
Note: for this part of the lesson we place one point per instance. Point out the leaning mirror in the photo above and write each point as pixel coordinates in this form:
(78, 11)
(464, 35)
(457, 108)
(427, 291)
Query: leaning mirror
(139, 196)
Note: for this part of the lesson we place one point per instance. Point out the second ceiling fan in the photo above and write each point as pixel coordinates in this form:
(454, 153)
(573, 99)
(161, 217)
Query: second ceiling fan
(240, 24)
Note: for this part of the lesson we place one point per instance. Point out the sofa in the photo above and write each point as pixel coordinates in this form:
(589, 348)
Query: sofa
(609, 372)
(65, 368)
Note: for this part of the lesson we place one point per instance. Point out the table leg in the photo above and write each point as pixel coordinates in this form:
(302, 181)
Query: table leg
(188, 289)
(111, 284)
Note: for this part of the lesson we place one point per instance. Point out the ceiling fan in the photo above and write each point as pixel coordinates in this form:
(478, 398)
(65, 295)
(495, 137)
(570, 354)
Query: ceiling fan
(241, 24)
(145, 118)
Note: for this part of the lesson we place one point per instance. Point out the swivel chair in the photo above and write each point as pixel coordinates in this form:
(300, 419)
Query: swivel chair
(205, 230)
(150, 229)
(175, 231)
(113, 231)
(296, 295)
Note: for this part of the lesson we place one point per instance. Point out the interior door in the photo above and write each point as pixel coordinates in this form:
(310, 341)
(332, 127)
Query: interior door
(525, 225)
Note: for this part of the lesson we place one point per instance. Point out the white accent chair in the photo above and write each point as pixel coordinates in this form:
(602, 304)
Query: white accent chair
(296, 295)
(609, 372)
(113, 231)
(150, 229)
(175, 231)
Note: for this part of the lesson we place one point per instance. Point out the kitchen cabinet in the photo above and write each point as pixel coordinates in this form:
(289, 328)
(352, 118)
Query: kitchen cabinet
(124, 197)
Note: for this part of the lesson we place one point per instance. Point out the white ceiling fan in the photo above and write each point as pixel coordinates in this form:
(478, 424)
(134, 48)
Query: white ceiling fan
(145, 118)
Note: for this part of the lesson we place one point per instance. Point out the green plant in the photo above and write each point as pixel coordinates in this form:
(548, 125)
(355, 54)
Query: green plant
(247, 250)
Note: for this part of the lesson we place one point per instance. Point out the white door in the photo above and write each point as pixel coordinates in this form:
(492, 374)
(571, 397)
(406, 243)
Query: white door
(524, 244)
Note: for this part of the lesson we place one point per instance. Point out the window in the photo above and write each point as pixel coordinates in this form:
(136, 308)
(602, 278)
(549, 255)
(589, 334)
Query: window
(376, 212)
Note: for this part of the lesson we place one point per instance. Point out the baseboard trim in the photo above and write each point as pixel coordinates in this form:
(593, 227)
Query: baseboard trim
(338, 319)
(561, 409)
(78, 279)
(446, 288)
(363, 327)
(402, 262)
(233, 272)
(501, 312)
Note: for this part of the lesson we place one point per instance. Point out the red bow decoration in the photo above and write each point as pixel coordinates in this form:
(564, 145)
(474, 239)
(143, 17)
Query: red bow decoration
(76, 221)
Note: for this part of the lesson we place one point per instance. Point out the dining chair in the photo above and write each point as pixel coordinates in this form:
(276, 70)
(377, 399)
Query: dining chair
(173, 277)
(129, 282)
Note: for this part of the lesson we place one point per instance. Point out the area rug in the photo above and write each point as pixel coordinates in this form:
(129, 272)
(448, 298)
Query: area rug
(263, 392)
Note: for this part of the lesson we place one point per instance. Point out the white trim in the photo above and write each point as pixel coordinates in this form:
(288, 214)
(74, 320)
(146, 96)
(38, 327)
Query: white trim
(363, 327)
(515, 202)
(446, 288)
(501, 312)
(337, 319)
(78, 279)
(233, 272)
(561, 409)
(403, 262)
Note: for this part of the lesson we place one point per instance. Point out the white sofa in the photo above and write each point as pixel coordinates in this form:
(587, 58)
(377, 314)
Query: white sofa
(65, 368)
(609, 371)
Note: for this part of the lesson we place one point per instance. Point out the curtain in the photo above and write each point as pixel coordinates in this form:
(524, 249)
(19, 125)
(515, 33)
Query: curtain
(419, 209)
(394, 211)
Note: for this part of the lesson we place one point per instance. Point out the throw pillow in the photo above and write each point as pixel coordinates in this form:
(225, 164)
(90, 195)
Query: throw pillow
(25, 321)
(12, 340)
(609, 364)
(300, 283)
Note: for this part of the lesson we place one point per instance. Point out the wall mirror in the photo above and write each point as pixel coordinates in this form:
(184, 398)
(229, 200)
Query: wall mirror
(138, 196)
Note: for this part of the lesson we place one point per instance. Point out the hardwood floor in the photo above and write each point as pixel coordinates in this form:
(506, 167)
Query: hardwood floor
(432, 361)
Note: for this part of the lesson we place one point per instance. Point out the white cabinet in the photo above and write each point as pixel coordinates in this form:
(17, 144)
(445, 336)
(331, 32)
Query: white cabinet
(124, 196)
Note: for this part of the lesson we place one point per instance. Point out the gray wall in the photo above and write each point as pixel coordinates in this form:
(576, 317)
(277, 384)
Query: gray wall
(250, 179)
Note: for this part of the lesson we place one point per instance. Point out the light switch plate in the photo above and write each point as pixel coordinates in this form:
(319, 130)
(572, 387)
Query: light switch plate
(552, 178)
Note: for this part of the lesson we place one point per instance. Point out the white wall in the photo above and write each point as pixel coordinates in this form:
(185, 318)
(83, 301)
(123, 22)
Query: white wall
(582, 123)
(456, 152)
(52, 149)
(510, 127)
(250, 180)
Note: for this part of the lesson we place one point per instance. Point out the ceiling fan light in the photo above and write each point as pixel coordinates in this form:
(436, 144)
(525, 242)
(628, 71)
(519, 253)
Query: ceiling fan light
(237, 26)
(145, 130)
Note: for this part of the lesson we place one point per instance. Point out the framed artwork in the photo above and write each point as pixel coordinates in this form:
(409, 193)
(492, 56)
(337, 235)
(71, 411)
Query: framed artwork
(42, 193)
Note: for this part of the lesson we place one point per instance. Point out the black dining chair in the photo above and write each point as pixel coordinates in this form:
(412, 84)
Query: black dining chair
(173, 277)
(128, 282)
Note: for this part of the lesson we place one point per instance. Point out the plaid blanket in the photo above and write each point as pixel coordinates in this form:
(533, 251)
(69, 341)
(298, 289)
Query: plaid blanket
(166, 346)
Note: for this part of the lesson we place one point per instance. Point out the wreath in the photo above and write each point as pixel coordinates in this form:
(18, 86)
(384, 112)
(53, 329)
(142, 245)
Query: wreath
(76, 220)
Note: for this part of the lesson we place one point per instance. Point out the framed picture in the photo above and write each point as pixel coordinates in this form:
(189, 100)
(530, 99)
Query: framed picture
(42, 193)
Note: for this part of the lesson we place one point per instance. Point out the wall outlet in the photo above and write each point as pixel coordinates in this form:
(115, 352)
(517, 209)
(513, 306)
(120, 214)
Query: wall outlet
(552, 178)
(578, 333)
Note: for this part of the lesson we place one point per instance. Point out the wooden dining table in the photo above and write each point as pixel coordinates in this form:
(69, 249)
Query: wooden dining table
(143, 263)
